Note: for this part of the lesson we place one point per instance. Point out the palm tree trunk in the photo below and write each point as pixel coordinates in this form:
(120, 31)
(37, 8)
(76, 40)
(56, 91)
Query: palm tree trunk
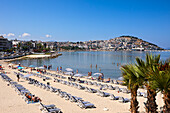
(151, 106)
(166, 99)
(134, 103)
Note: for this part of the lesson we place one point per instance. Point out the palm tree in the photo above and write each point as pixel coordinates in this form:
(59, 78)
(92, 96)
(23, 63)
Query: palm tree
(161, 77)
(133, 81)
(145, 69)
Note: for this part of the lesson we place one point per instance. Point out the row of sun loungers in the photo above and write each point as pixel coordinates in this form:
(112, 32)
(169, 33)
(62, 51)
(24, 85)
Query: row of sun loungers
(55, 75)
(103, 86)
(80, 102)
(22, 91)
(40, 76)
(91, 90)
(18, 88)
(110, 87)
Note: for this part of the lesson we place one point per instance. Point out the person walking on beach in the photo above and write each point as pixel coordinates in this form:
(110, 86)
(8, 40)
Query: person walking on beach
(77, 71)
(18, 77)
(60, 69)
(57, 69)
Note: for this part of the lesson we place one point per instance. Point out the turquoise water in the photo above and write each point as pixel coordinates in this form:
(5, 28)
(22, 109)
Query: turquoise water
(105, 60)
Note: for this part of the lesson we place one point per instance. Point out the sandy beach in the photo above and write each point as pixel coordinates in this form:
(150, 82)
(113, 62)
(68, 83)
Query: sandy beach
(11, 102)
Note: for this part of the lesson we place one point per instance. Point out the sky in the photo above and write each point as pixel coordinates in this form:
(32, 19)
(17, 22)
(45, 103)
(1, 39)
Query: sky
(83, 20)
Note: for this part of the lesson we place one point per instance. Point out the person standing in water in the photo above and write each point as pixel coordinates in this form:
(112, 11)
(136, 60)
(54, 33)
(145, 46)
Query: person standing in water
(99, 69)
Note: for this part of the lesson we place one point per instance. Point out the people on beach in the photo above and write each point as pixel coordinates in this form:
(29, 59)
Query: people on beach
(77, 71)
(49, 67)
(90, 73)
(60, 69)
(108, 80)
(18, 77)
(57, 69)
(99, 69)
(28, 96)
(35, 99)
(45, 67)
(91, 66)
(1, 67)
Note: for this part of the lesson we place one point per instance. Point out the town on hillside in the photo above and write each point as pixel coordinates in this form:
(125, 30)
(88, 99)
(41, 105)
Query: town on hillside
(124, 43)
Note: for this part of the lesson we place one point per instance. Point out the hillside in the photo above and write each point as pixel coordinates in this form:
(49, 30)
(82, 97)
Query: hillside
(132, 43)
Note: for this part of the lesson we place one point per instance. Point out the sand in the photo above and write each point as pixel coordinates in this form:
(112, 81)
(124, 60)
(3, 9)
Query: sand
(11, 102)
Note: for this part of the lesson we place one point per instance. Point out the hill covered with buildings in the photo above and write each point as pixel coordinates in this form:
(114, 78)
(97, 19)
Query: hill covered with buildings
(128, 43)
(122, 43)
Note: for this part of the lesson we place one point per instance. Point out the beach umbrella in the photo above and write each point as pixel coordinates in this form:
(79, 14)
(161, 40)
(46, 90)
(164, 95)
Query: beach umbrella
(79, 75)
(31, 66)
(41, 67)
(69, 69)
(10, 64)
(20, 67)
(69, 73)
(97, 74)
(36, 67)
(28, 75)
(121, 78)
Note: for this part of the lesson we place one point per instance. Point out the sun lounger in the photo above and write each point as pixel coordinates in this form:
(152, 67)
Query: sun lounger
(98, 92)
(112, 97)
(49, 108)
(62, 94)
(52, 89)
(85, 105)
(124, 90)
(67, 96)
(42, 106)
(139, 93)
(74, 98)
(92, 90)
(104, 94)
(81, 87)
(111, 87)
(86, 89)
(123, 100)
(58, 91)
(115, 82)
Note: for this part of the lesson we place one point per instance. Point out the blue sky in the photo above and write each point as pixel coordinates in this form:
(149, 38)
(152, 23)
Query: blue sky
(81, 20)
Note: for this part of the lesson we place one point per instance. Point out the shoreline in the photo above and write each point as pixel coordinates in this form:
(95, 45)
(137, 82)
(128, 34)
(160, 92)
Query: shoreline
(33, 57)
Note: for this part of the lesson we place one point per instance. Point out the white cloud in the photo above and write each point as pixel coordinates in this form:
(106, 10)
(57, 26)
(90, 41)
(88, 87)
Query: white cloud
(11, 34)
(26, 34)
(19, 36)
(48, 36)
(3, 35)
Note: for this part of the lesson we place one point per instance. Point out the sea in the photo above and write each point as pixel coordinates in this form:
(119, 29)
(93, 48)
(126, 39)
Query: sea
(106, 62)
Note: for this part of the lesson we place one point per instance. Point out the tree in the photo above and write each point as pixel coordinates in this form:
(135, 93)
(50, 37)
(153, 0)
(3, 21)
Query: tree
(132, 81)
(145, 70)
(161, 77)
